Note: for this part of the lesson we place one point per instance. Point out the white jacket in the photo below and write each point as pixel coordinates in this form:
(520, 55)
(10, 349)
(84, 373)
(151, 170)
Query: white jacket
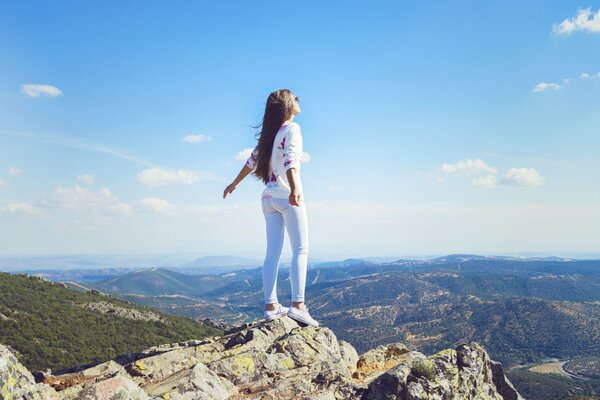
(286, 154)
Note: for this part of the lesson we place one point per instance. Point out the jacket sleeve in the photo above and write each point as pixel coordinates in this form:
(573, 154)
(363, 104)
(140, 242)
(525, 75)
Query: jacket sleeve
(293, 152)
(251, 161)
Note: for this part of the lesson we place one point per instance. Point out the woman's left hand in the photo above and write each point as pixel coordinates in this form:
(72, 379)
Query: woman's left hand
(229, 189)
(295, 198)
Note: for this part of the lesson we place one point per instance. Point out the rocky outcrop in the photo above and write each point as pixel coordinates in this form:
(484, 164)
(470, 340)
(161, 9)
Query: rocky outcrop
(16, 382)
(129, 313)
(270, 360)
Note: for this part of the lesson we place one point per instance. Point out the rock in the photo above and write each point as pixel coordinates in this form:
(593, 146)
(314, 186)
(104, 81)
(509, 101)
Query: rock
(382, 358)
(349, 355)
(464, 373)
(277, 360)
(199, 383)
(116, 388)
(16, 382)
(216, 324)
(72, 384)
(503, 385)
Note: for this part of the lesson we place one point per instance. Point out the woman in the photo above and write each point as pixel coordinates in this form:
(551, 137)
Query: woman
(276, 161)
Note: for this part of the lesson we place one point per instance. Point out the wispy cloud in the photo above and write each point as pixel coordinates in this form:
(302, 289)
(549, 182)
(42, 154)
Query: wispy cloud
(85, 201)
(522, 177)
(486, 181)
(585, 20)
(2, 182)
(161, 176)
(15, 171)
(468, 167)
(78, 143)
(87, 179)
(196, 138)
(157, 205)
(485, 176)
(36, 90)
(244, 154)
(153, 175)
(586, 75)
(20, 208)
(542, 86)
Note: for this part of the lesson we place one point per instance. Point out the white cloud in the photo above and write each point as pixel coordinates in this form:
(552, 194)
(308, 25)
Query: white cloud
(540, 87)
(484, 176)
(3, 182)
(305, 158)
(161, 177)
(522, 177)
(580, 22)
(35, 90)
(157, 205)
(87, 179)
(584, 75)
(15, 171)
(122, 209)
(244, 154)
(486, 181)
(468, 168)
(81, 200)
(20, 208)
(196, 138)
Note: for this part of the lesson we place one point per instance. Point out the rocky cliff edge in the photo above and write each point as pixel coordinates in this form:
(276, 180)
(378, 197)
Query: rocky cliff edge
(274, 360)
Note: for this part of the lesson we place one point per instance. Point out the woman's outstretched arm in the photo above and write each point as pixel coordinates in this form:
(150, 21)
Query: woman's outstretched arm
(241, 175)
(248, 167)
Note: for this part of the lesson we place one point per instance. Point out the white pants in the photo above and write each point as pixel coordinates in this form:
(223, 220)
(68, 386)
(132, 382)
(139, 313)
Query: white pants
(280, 215)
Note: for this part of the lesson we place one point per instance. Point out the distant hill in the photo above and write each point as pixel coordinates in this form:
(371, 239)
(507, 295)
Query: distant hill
(67, 262)
(160, 281)
(52, 326)
(469, 283)
(522, 309)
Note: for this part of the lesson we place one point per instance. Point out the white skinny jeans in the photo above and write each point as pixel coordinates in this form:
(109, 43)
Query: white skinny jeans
(280, 215)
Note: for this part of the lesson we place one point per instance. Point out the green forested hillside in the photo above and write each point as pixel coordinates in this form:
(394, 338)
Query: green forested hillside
(536, 386)
(48, 326)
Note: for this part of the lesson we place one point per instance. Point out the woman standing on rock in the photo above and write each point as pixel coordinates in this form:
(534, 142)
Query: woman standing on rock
(276, 161)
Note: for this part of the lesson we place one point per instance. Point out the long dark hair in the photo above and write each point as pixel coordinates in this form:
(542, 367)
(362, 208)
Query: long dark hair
(279, 108)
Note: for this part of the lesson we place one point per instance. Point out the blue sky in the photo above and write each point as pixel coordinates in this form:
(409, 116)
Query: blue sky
(429, 127)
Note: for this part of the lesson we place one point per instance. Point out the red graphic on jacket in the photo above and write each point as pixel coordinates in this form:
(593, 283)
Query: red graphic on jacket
(282, 144)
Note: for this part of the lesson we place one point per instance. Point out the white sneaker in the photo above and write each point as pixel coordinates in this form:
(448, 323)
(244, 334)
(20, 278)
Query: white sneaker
(278, 312)
(301, 315)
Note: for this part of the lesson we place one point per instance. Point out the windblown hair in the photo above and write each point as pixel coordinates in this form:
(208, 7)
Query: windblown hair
(279, 108)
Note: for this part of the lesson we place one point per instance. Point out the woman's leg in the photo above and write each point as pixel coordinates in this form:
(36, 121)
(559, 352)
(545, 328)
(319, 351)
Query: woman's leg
(296, 223)
(275, 236)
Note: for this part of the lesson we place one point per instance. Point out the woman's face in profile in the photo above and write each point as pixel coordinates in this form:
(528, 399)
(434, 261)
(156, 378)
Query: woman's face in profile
(296, 105)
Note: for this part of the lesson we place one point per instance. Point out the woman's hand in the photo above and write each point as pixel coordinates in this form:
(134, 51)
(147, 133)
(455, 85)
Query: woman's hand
(296, 198)
(229, 189)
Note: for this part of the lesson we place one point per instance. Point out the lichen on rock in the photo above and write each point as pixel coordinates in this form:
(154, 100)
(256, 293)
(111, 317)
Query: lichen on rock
(279, 359)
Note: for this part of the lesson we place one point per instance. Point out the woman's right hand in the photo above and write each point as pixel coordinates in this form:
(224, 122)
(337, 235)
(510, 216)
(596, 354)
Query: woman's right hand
(228, 189)
(296, 198)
